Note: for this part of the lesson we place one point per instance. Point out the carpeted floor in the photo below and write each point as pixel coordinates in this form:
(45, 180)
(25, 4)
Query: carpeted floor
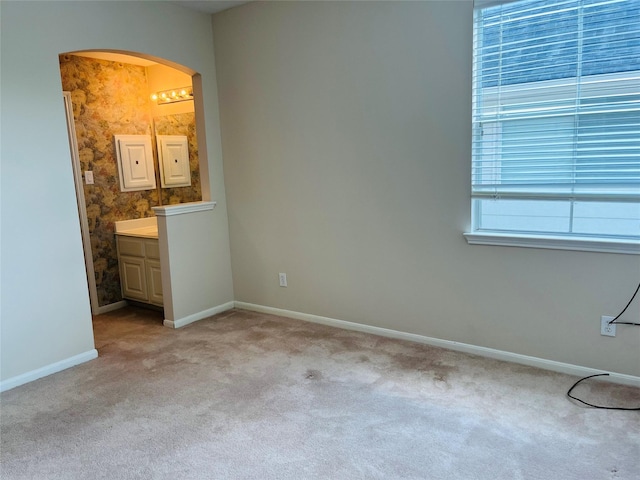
(251, 396)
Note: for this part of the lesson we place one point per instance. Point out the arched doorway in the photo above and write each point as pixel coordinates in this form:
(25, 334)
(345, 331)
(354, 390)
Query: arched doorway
(110, 93)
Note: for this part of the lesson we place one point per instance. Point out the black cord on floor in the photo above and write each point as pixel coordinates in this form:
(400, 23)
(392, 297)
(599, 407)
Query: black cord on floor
(591, 404)
(611, 322)
(624, 310)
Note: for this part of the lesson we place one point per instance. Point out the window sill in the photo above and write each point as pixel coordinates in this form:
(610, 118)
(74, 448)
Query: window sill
(584, 244)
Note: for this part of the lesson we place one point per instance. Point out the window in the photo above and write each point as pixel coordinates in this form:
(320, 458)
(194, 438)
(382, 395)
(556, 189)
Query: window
(556, 123)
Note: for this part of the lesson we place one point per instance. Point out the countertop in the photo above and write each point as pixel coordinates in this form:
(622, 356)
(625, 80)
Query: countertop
(142, 227)
(145, 232)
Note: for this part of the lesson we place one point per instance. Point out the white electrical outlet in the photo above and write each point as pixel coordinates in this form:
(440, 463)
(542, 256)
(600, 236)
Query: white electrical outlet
(607, 329)
(283, 279)
(88, 177)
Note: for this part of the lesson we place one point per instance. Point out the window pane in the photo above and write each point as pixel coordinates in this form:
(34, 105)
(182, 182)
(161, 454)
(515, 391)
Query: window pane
(608, 148)
(603, 219)
(619, 53)
(524, 215)
(600, 218)
(537, 150)
(529, 41)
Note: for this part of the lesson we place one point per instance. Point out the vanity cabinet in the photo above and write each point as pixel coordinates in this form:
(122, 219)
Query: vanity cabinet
(139, 260)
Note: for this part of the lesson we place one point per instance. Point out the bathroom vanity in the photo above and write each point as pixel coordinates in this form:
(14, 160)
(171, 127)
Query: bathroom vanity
(139, 260)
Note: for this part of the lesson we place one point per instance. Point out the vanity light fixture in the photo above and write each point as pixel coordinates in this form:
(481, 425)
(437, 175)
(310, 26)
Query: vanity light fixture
(180, 94)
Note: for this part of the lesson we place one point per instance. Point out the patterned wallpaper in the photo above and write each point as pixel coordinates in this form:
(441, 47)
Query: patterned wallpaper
(112, 98)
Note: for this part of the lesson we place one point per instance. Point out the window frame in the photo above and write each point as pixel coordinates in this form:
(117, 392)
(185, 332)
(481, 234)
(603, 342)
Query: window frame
(591, 243)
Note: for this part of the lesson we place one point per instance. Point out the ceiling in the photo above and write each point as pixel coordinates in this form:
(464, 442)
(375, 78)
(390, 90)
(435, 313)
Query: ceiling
(210, 6)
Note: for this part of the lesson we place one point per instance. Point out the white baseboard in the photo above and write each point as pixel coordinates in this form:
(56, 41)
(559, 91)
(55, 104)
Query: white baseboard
(13, 382)
(111, 307)
(181, 322)
(448, 344)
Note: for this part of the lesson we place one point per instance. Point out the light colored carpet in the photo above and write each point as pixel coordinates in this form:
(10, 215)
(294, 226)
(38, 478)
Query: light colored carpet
(251, 396)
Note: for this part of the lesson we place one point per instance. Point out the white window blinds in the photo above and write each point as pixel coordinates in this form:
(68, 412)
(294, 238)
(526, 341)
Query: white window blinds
(556, 108)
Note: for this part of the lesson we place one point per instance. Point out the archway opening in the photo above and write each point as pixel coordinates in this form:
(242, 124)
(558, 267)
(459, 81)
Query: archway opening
(110, 94)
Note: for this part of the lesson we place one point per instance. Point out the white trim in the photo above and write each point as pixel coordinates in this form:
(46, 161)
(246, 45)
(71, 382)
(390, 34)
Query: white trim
(555, 242)
(111, 307)
(194, 317)
(13, 382)
(182, 208)
(81, 202)
(542, 363)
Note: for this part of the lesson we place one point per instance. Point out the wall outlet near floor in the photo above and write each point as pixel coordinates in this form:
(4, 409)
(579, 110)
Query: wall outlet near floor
(283, 279)
(607, 329)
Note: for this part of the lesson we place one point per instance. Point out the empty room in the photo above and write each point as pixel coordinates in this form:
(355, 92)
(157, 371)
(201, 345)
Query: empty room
(320, 239)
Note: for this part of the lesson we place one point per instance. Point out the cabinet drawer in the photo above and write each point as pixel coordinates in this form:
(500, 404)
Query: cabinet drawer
(151, 249)
(131, 246)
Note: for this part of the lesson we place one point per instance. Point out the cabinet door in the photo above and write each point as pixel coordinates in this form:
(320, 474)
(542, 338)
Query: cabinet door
(135, 162)
(173, 155)
(133, 278)
(154, 282)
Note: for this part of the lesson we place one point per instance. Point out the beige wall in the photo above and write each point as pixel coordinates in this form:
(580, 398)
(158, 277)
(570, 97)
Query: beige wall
(45, 314)
(346, 141)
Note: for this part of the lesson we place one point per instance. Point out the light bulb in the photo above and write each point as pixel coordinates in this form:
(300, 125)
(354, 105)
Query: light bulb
(154, 97)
